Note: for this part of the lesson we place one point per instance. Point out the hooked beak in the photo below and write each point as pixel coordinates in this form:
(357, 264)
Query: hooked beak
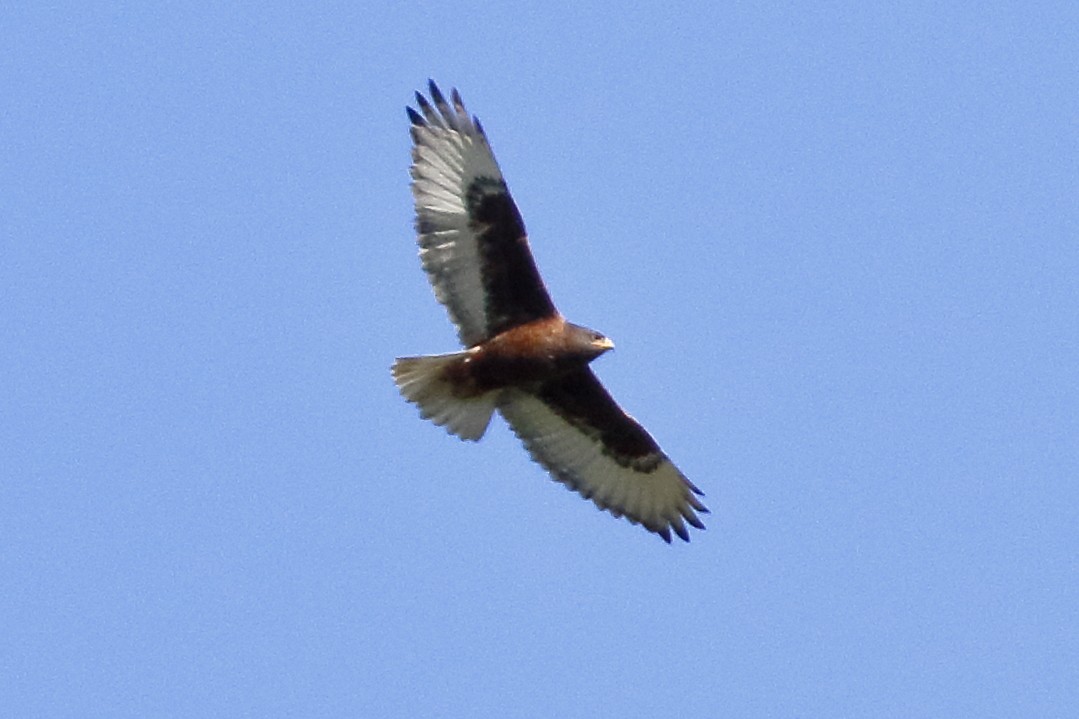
(603, 343)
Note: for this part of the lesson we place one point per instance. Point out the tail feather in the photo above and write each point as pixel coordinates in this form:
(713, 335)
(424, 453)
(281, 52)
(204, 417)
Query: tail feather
(424, 382)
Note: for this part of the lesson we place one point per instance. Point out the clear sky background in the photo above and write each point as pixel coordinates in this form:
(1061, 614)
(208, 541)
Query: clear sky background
(837, 245)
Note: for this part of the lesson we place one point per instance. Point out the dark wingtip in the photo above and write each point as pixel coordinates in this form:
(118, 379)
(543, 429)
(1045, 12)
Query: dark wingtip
(665, 533)
(436, 94)
(415, 118)
(425, 107)
(680, 530)
(692, 498)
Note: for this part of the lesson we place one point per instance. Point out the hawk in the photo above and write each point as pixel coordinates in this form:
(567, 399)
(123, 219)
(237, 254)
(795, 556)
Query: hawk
(522, 357)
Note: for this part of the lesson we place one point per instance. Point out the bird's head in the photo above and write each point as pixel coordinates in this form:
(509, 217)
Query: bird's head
(588, 343)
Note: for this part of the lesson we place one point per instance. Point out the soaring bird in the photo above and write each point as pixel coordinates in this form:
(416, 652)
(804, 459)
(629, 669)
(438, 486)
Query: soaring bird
(521, 356)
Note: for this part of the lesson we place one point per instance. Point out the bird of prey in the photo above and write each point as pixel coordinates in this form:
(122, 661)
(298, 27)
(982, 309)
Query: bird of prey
(521, 356)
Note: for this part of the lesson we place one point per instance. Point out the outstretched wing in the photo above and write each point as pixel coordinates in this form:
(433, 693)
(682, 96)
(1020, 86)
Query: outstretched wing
(471, 236)
(574, 428)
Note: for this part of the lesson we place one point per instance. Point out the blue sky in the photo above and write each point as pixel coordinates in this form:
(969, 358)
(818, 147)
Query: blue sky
(836, 247)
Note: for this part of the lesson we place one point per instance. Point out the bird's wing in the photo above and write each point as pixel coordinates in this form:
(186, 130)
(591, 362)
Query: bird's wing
(574, 428)
(471, 236)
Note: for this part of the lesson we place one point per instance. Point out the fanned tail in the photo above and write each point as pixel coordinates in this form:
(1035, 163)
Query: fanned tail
(425, 382)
